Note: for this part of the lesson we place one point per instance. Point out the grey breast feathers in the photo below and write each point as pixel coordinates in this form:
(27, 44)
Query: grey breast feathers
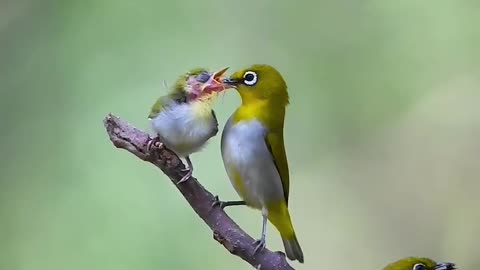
(245, 151)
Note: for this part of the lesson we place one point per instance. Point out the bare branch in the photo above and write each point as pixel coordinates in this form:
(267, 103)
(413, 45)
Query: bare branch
(225, 230)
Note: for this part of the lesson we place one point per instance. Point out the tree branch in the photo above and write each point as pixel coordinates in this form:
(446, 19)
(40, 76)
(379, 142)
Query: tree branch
(225, 230)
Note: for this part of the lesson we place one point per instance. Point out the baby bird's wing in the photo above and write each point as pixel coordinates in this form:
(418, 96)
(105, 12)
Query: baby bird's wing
(166, 101)
(157, 107)
(215, 120)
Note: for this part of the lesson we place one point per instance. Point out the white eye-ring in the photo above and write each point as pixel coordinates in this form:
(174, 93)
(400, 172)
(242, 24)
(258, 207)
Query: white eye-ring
(250, 78)
(419, 266)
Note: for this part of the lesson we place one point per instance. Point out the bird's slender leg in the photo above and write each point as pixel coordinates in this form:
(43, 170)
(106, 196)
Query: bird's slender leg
(222, 205)
(189, 166)
(261, 242)
(189, 171)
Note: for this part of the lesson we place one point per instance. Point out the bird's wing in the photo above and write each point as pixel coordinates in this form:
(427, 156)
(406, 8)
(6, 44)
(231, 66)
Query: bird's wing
(165, 101)
(157, 107)
(275, 145)
(215, 116)
(215, 130)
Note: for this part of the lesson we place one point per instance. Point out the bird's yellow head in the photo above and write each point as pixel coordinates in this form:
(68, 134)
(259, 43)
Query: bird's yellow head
(199, 83)
(419, 263)
(259, 83)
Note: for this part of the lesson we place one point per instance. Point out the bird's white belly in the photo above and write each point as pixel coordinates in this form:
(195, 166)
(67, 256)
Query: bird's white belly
(183, 130)
(245, 154)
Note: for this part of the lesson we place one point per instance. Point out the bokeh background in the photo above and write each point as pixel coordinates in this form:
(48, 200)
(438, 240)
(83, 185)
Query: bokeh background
(382, 134)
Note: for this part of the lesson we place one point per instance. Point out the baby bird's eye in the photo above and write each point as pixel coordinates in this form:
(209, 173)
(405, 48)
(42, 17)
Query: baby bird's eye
(203, 77)
(250, 78)
(419, 266)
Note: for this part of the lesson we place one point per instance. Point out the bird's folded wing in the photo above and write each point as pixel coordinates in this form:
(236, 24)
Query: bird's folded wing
(276, 147)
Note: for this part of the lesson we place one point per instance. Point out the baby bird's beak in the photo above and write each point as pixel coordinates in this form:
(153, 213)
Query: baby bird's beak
(215, 84)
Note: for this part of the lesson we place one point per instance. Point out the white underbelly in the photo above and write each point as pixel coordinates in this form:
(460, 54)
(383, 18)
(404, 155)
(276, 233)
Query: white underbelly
(182, 131)
(244, 153)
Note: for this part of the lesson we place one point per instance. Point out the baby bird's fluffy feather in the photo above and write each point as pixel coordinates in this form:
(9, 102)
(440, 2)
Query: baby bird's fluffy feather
(186, 127)
(183, 121)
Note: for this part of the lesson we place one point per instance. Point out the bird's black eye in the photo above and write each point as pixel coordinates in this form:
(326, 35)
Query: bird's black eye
(203, 77)
(419, 266)
(250, 78)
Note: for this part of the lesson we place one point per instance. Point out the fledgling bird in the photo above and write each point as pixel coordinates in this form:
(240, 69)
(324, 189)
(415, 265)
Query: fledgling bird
(184, 119)
(419, 263)
(253, 151)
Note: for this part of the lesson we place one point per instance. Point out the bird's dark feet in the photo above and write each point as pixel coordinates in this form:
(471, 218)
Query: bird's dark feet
(217, 202)
(223, 204)
(186, 176)
(259, 245)
(154, 144)
(153, 147)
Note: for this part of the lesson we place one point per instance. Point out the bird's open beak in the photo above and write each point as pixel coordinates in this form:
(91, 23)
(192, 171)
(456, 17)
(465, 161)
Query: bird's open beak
(215, 83)
(445, 266)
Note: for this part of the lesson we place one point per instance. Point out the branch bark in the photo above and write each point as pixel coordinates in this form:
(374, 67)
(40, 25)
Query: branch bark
(225, 230)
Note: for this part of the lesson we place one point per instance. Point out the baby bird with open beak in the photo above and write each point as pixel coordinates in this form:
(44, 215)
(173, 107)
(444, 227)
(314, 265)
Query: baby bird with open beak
(184, 119)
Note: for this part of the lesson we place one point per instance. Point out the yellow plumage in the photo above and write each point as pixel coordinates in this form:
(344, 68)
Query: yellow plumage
(419, 263)
(253, 150)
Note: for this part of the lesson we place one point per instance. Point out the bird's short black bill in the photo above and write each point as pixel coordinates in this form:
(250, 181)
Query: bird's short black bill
(445, 266)
(229, 82)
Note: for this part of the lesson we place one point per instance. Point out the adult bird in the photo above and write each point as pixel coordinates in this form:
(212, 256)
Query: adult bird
(419, 263)
(184, 119)
(253, 151)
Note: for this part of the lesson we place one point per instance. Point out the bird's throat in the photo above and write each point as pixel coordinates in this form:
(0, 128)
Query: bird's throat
(267, 113)
(202, 108)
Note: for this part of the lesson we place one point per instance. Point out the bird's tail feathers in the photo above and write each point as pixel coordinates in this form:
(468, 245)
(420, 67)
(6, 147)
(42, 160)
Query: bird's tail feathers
(280, 218)
(292, 248)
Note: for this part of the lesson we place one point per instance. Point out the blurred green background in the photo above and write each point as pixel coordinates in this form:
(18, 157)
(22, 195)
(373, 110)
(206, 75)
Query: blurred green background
(382, 134)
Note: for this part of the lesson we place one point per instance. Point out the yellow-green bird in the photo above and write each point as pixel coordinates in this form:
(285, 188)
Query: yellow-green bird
(253, 151)
(419, 263)
(184, 119)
